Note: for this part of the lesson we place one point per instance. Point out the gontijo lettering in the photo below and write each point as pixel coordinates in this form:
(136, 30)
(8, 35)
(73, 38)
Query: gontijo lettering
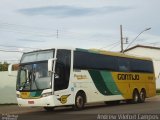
(128, 77)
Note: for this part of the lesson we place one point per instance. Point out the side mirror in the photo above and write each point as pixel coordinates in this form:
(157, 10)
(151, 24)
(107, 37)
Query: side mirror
(10, 73)
(50, 64)
(10, 69)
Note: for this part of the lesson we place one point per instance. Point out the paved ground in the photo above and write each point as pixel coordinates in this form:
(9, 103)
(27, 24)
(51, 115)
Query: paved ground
(94, 111)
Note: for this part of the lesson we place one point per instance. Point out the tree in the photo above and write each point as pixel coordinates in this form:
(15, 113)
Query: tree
(0, 67)
(4, 66)
(15, 67)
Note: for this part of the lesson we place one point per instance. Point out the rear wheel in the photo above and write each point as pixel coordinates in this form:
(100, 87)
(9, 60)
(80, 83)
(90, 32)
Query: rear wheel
(135, 97)
(49, 109)
(142, 96)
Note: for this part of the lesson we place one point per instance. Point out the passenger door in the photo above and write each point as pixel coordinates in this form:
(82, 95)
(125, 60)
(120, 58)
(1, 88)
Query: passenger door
(63, 93)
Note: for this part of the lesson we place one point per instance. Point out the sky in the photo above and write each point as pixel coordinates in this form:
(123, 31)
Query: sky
(27, 25)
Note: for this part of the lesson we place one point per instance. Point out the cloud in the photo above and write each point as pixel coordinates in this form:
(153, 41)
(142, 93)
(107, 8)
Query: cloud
(70, 11)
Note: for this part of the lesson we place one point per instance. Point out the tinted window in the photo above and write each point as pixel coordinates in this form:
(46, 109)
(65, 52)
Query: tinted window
(123, 64)
(86, 60)
(62, 70)
(141, 66)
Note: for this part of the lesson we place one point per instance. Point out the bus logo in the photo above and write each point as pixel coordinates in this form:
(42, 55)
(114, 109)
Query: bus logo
(80, 77)
(63, 98)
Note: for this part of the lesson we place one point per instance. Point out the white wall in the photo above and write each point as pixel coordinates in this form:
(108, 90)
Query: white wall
(154, 54)
(7, 88)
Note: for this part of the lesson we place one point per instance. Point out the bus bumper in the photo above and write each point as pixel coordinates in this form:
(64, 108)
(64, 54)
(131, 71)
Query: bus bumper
(42, 101)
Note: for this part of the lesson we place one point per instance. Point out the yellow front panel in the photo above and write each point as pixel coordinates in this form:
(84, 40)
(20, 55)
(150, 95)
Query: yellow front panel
(24, 95)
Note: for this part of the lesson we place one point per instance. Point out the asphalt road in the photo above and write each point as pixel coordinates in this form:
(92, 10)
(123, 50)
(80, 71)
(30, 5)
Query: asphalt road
(151, 108)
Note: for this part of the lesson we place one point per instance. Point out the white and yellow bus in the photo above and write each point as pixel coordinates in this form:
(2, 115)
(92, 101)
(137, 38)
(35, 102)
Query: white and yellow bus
(64, 77)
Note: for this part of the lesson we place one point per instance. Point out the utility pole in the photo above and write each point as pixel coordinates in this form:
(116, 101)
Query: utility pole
(121, 34)
(122, 39)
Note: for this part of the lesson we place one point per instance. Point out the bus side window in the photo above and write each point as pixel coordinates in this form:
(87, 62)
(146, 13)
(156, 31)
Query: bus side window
(141, 66)
(123, 65)
(59, 72)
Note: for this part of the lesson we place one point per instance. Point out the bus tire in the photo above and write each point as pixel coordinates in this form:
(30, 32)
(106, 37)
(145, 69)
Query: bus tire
(49, 109)
(142, 96)
(135, 96)
(79, 101)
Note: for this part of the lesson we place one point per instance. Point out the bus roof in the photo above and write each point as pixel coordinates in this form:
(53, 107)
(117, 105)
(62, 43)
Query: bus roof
(98, 51)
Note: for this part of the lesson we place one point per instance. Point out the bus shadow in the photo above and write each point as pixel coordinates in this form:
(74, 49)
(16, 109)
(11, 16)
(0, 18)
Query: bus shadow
(69, 109)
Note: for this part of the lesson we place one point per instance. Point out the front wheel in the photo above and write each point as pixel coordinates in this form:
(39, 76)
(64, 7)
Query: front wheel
(79, 102)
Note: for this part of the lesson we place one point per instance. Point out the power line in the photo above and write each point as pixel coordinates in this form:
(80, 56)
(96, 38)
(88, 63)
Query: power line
(2, 24)
(136, 37)
(110, 45)
(24, 26)
(1, 45)
(9, 51)
(20, 29)
(26, 32)
(115, 45)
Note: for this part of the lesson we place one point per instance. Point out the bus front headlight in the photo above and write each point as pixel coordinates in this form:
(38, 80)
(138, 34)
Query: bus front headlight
(46, 94)
(18, 95)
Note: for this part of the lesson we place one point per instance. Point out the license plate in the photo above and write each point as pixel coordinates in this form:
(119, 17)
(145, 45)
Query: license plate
(30, 102)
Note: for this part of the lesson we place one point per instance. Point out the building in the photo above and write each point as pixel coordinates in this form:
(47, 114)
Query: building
(148, 51)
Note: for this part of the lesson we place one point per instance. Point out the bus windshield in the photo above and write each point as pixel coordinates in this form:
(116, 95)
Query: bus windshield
(34, 77)
(33, 73)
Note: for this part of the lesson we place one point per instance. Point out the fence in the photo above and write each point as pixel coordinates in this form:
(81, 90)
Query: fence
(8, 88)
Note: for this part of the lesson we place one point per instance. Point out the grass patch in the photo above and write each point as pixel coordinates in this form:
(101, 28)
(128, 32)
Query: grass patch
(158, 91)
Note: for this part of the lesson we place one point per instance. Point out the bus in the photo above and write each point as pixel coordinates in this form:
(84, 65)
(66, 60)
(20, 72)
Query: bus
(76, 77)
